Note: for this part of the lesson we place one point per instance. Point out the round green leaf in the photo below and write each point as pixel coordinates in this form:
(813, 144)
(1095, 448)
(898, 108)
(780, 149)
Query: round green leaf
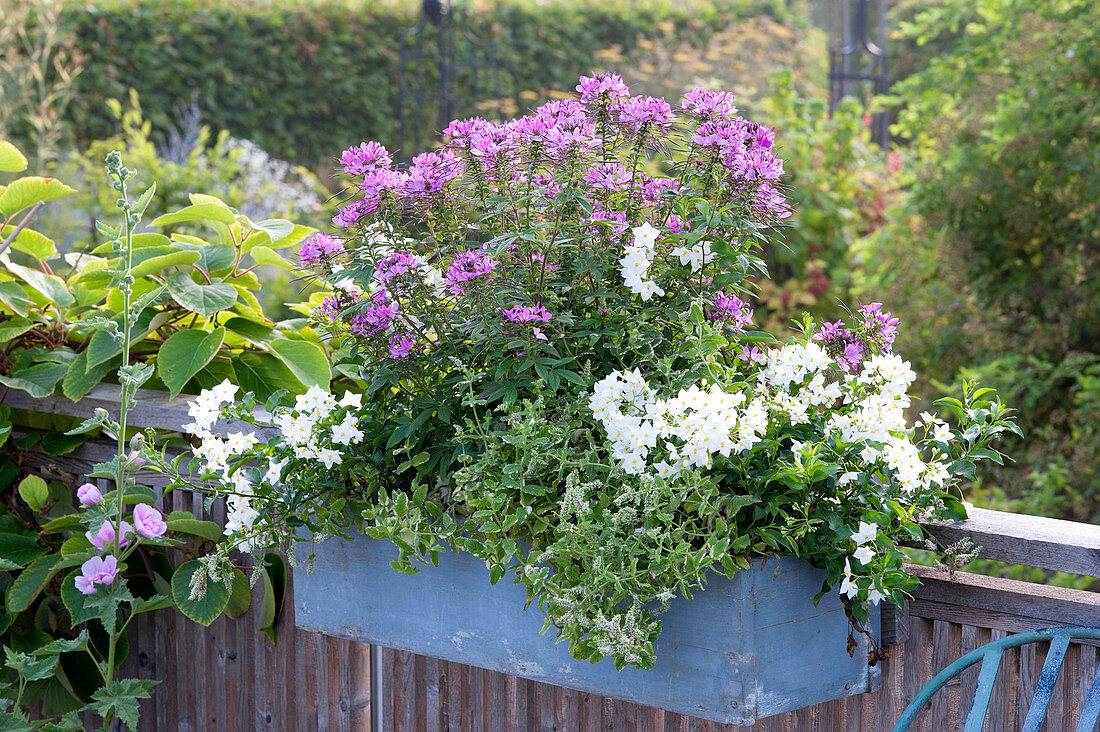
(195, 527)
(184, 354)
(202, 299)
(204, 610)
(34, 491)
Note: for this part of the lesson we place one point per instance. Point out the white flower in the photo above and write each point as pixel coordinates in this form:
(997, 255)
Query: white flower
(239, 442)
(847, 586)
(274, 472)
(352, 400)
(866, 533)
(329, 457)
(942, 432)
(696, 256)
(864, 554)
(315, 401)
(847, 478)
(646, 235)
(224, 392)
(874, 596)
(347, 432)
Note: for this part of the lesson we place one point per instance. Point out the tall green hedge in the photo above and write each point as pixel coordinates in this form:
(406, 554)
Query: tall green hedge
(307, 79)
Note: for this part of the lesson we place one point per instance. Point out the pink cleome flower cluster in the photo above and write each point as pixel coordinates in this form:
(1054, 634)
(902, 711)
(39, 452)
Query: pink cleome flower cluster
(562, 148)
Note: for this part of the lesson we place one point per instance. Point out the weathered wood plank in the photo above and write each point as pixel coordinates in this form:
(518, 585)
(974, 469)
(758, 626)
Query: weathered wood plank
(976, 595)
(1034, 541)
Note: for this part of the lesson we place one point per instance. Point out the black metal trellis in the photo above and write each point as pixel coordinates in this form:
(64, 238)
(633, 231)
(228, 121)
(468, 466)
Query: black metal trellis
(444, 71)
(858, 66)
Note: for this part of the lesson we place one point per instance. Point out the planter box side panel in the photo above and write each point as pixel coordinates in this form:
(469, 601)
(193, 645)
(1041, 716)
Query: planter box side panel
(717, 658)
(800, 649)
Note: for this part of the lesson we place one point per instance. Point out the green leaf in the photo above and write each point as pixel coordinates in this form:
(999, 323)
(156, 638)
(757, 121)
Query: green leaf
(34, 491)
(103, 347)
(19, 550)
(268, 256)
(30, 190)
(75, 600)
(274, 579)
(241, 596)
(203, 610)
(275, 229)
(304, 359)
(30, 241)
(56, 444)
(80, 379)
(202, 299)
(158, 259)
(194, 527)
(122, 697)
(255, 333)
(14, 297)
(30, 582)
(198, 212)
(143, 201)
(11, 160)
(212, 257)
(52, 287)
(184, 354)
(263, 375)
(38, 380)
(12, 329)
(61, 523)
(64, 645)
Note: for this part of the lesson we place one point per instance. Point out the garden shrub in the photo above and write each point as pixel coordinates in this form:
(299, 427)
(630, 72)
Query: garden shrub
(1002, 225)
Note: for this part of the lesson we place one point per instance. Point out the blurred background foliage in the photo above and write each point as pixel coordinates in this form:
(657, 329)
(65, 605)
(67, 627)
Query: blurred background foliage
(978, 226)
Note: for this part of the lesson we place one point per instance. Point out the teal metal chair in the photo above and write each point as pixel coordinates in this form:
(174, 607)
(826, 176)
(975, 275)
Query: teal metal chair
(990, 657)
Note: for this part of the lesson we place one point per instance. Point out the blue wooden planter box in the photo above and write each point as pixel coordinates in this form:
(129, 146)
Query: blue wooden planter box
(743, 649)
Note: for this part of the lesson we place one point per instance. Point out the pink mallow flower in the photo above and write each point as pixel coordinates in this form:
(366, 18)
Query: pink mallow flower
(148, 521)
(88, 495)
(106, 535)
(97, 571)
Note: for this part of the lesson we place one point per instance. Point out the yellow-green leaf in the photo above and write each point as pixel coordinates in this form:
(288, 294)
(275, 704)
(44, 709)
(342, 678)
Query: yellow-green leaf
(34, 491)
(30, 190)
(268, 256)
(11, 160)
(198, 212)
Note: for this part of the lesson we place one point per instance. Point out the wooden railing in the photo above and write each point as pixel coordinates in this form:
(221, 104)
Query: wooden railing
(230, 677)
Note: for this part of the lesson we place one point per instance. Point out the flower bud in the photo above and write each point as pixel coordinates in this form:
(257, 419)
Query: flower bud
(88, 495)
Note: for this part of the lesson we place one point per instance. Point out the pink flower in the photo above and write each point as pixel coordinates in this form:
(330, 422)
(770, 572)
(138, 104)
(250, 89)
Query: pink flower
(88, 495)
(96, 571)
(148, 522)
(106, 535)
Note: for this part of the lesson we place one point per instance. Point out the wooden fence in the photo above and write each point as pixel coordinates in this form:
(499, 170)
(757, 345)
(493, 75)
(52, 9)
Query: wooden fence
(231, 677)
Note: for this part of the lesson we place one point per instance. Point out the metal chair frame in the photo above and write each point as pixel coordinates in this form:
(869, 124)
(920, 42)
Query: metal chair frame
(990, 656)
